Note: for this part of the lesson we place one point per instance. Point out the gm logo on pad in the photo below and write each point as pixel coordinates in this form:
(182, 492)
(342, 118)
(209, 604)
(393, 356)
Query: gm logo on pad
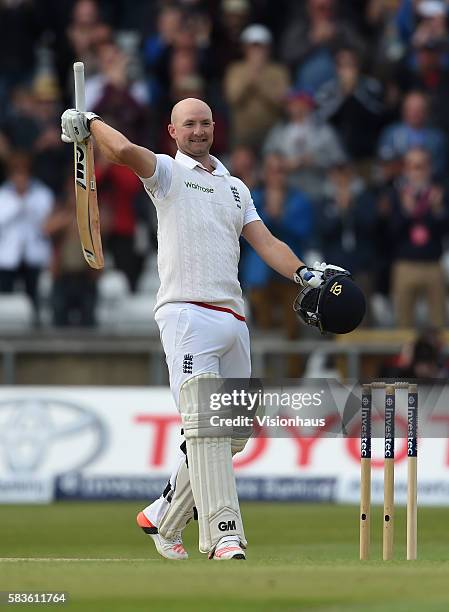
(226, 525)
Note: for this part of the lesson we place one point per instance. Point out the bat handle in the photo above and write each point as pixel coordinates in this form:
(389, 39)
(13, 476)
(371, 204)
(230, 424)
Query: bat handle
(80, 98)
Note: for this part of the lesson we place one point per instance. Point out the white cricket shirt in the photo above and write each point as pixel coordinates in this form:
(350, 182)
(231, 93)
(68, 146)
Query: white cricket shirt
(200, 218)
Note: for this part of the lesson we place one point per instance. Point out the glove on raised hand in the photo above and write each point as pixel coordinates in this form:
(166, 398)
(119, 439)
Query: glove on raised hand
(75, 125)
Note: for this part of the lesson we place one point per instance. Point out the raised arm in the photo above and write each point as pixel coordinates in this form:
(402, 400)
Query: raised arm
(118, 149)
(77, 126)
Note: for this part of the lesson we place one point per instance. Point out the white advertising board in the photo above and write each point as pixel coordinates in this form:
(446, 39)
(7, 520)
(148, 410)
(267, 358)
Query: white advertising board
(108, 443)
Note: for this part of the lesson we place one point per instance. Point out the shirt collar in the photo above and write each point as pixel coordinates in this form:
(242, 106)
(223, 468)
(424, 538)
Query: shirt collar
(189, 162)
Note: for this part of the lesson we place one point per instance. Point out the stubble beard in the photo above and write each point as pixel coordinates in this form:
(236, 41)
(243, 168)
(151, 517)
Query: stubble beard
(198, 152)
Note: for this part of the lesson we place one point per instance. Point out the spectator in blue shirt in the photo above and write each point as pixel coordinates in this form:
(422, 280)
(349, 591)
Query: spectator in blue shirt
(288, 213)
(414, 131)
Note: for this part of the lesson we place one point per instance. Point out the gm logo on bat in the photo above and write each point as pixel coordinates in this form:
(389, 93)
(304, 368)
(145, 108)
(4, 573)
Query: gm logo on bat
(80, 166)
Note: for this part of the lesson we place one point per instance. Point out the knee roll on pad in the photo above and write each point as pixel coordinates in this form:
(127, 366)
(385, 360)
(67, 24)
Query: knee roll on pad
(210, 466)
(195, 399)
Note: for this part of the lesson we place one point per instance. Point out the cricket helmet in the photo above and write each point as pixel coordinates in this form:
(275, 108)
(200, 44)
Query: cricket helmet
(338, 306)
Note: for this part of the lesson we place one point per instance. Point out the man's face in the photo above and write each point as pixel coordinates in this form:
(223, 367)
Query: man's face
(242, 161)
(193, 131)
(20, 178)
(323, 8)
(417, 168)
(415, 110)
(109, 56)
(275, 170)
(299, 109)
(257, 53)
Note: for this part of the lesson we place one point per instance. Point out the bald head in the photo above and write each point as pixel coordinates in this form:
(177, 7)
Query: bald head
(189, 108)
(192, 128)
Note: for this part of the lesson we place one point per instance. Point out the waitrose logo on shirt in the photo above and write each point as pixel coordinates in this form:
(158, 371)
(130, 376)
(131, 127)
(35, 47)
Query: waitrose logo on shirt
(200, 187)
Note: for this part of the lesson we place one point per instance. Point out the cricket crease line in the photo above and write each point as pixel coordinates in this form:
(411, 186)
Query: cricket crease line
(68, 559)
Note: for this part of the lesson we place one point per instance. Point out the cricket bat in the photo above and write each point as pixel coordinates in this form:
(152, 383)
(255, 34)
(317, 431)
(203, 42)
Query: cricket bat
(87, 214)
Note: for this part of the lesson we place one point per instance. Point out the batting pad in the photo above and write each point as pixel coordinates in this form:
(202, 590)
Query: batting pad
(237, 445)
(210, 465)
(180, 502)
(180, 510)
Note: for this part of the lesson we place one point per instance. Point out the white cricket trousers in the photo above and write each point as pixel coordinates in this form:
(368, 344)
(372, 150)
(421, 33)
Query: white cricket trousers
(198, 339)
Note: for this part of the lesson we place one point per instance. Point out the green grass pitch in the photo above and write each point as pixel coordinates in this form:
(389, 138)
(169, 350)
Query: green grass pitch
(300, 557)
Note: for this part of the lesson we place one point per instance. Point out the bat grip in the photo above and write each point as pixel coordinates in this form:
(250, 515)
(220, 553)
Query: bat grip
(80, 99)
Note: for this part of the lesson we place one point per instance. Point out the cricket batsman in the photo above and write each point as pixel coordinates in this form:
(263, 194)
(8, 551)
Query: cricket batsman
(202, 211)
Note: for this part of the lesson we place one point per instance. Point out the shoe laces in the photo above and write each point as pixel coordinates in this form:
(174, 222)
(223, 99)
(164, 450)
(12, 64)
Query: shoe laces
(178, 539)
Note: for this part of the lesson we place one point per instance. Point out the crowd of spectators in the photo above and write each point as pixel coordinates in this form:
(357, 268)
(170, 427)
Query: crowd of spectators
(333, 113)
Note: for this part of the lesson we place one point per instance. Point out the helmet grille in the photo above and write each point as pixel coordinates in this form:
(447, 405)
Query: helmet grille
(310, 300)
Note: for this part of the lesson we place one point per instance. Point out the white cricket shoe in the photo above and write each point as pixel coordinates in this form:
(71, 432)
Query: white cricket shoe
(170, 549)
(228, 548)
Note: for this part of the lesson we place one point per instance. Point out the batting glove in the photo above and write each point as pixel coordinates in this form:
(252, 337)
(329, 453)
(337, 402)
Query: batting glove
(317, 274)
(75, 125)
(308, 277)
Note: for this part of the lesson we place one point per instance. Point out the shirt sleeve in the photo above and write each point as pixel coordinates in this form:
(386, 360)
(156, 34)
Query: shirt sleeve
(251, 213)
(159, 184)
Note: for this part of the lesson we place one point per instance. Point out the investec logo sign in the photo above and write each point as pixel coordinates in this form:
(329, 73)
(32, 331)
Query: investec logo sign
(80, 164)
(191, 185)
